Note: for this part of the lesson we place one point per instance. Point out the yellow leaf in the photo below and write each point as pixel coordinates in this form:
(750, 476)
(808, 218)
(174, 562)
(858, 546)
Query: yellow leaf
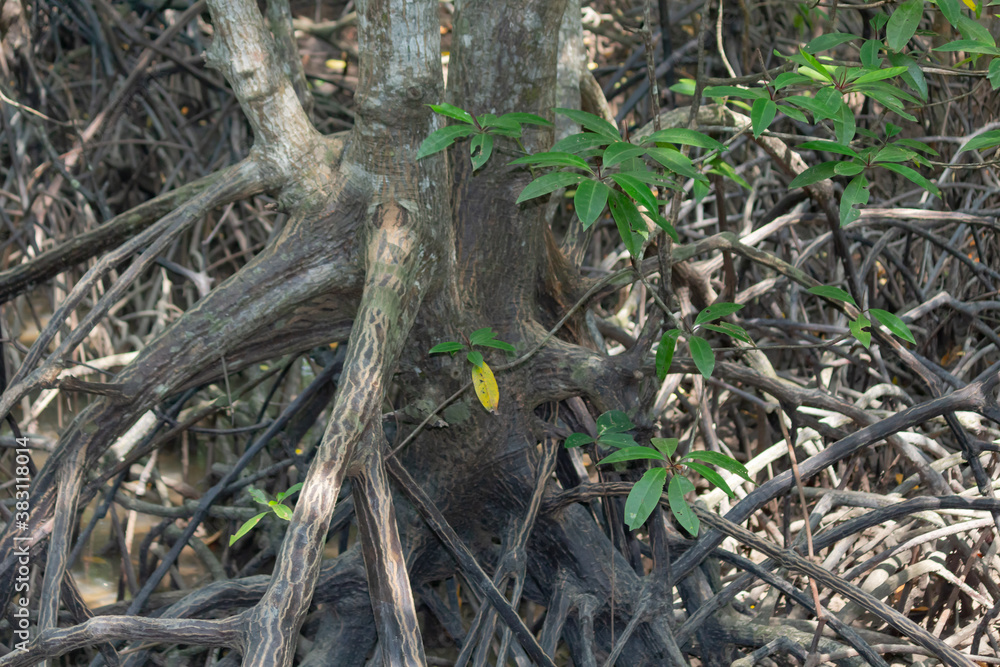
(486, 387)
(971, 5)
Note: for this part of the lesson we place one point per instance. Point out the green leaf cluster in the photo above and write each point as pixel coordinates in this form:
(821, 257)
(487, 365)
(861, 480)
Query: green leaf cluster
(890, 74)
(860, 325)
(646, 493)
(483, 130)
(277, 506)
(612, 173)
(484, 337)
(701, 351)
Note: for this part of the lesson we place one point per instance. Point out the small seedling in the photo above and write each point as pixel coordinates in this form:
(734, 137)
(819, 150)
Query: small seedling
(701, 351)
(482, 376)
(646, 493)
(859, 327)
(277, 506)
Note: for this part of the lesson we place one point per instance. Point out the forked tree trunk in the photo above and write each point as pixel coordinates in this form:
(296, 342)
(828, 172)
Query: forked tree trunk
(413, 252)
(393, 255)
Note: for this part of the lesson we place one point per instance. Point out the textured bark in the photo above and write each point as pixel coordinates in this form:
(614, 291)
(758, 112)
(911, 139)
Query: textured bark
(393, 255)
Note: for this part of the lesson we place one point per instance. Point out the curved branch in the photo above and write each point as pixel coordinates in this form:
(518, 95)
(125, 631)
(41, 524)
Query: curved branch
(302, 261)
(21, 278)
(794, 561)
(245, 179)
(53, 643)
(391, 298)
(972, 397)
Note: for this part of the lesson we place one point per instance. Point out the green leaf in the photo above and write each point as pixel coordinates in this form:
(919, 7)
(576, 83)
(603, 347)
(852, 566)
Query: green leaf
(665, 353)
(543, 185)
(869, 54)
(452, 112)
(650, 178)
(292, 489)
(619, 151)
(817, 107)
(984, 140)
(617, 440)
(912, 175)
(858, 327)
(246, 527)
(830, 147)
(665, 225)
(644, 497)
(879, 75)
(832, 293)
(486, 337)
(893, 324)
(814, 174)
(680, 135)
(679, 485)
(500, 125)
(913, 76)
(856, 193)
(972, 30)
(475, 358)
(888, 99)
(554, 159)
(761, 114)
(879, 20)
(590, 199)
(480, 148)
(951, 10)
(794, 114)
(786, 79)
(993, 73)
(700, 190)
(733, 330)
(480, 336)
(720, 166)
(717, 311)
(577, 439)
(675, 162)
(529, 118)
(721, 460)
(903, 24)
(450, 346)
(440, 139)
(613, 421)
(628, 220)
(897, 92)
(579, 143)
(851, 168)
(917, 145)
(704, 357)
(638, 190)
(713, 477)
(828, 41)
(633, 454)
(499, 345)
(733, 91)
(283, 511)
(893, 153)
(666, 445)
(684, 87)
(832, 101)
(258, 495)
(816, 66)
(591, 122)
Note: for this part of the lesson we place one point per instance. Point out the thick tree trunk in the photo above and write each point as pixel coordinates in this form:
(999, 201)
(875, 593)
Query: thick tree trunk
(391, 255)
